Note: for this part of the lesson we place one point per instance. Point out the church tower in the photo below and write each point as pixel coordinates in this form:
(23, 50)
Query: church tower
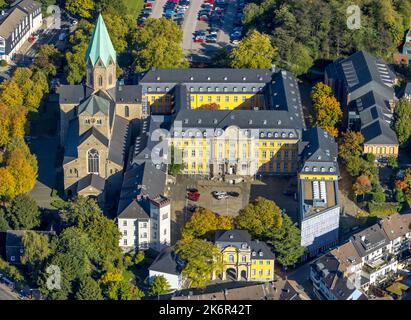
(101, 59)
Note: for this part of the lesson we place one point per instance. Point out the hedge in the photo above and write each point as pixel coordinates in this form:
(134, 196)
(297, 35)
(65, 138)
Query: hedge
(383, 209)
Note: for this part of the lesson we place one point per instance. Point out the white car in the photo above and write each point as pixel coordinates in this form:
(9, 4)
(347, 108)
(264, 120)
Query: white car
(222, 196)
(235, 42)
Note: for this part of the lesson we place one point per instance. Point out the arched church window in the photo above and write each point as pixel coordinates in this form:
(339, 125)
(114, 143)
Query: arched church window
(126, 111)
(110, 79)
(93, 161)
(100, 81)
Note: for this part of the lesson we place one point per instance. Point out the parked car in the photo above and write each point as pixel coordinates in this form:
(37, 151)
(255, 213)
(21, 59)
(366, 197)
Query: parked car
(234, 194)
(193, 196)
(211, 38)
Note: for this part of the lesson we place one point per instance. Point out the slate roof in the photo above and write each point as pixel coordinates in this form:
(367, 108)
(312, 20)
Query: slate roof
(374, 239)
(91, 180)
(206, 75)
(100, 46)
(119, 140)
(70, 148)
(319, 150)
(260, 250)
(379, 132)
(128, 94)
(361, 72)
(234, 236)
(167, 262)
(143, 180)
(73, 94)
(93, 132)
(94, 104)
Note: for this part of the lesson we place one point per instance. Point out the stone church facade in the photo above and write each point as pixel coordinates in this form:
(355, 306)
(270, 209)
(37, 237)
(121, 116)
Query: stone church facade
(96, 120)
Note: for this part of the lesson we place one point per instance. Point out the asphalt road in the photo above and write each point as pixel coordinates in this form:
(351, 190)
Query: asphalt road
(158, 8)
(5, 295)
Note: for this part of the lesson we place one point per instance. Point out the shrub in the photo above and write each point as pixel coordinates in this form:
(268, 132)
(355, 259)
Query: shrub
(3, 63)
(370, 157)
(383, 209)
(11, 271)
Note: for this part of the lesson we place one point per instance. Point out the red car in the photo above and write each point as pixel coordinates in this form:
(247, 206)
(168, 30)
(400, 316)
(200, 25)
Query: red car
(193, 196)
(199, 40)
(210, 1)
(149, 5)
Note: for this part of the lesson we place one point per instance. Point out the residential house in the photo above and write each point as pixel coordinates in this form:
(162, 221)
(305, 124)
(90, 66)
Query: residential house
(277, 290)
(14, 245)
(17, 24)
(170, 266)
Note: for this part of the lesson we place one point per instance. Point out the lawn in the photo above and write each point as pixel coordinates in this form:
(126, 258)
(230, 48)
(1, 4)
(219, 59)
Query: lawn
(134, 6)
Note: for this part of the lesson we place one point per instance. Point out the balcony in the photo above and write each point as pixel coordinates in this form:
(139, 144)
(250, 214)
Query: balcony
(378, 263)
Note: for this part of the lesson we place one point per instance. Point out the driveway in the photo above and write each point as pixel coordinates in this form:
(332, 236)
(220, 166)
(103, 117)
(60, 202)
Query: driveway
(158, 8)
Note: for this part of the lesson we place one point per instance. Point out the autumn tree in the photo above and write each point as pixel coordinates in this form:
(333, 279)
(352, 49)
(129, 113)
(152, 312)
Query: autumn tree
(202, 259)
(12, 122)
(350, 150)
(119, 28)
(402, 118)
(157, 44)
(362, 186)
(253, 52)
(83, 8)
(204, 221)
(260, 217)
(47, 60)
(327, 110)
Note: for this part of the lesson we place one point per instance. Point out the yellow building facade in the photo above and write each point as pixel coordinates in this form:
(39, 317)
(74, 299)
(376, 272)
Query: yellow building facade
(244, 259)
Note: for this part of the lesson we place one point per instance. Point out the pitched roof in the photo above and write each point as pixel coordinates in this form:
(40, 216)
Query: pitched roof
(260, 250)
(100, 46)
(10, 23)
(73, 94)
(319, 150)
(369, 240)
(94, 104)
(119, 140)
(396, 225)
(234, 235)
(95, 133)
(91, 180)
(167, 262)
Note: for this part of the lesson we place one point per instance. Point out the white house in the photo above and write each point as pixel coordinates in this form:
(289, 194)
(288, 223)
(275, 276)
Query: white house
(168, 265)
(17, 24)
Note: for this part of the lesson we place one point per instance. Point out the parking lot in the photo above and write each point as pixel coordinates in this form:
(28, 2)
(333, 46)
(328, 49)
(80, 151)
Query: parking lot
(208, 25)
(180, 206)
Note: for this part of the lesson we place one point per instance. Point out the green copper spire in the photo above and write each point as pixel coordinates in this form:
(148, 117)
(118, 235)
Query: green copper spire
(100, 45)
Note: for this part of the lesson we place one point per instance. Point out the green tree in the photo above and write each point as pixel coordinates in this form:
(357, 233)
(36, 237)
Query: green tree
(76, 55)
(204, 221)
(254, 52)
(392, 162)
(298, 59)
(139, 257)
(159, 286)
(202, 258)
(88, 289)
(378, 195)
(119, 27)
(287, 242)
(4, 225)
(84, 8)
(48, 59)
(23, 213)
(402, 118)
(259, 217)
(157, 44)
(175, 167)
(36, 248)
